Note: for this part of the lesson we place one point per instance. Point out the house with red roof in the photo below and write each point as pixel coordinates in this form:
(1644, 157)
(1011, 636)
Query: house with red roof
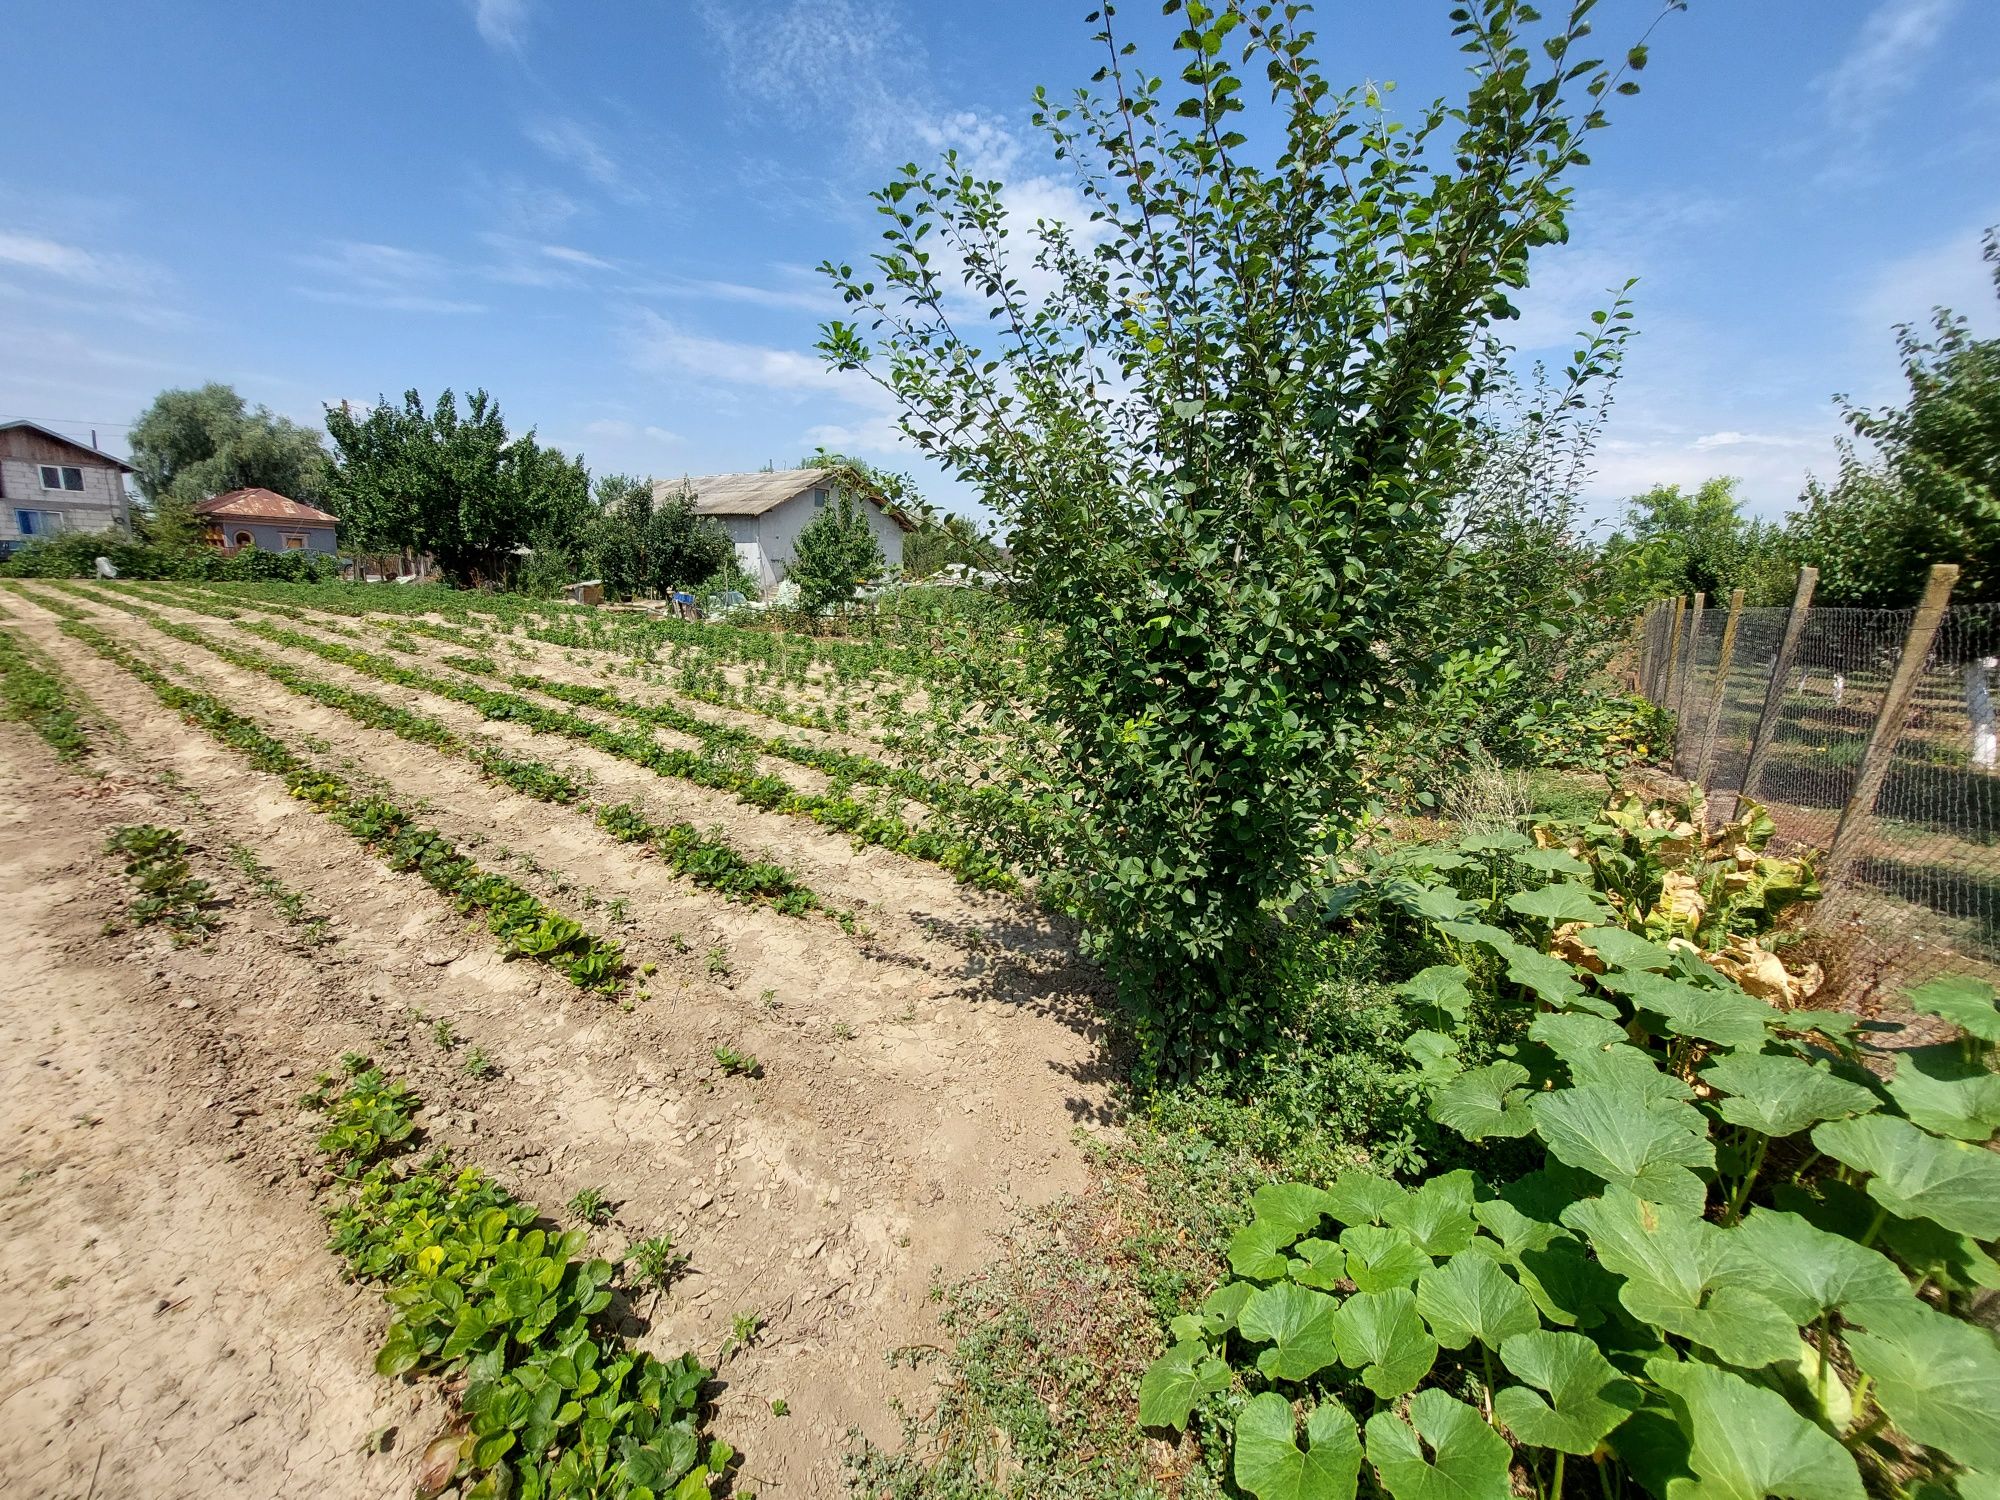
(266, 520)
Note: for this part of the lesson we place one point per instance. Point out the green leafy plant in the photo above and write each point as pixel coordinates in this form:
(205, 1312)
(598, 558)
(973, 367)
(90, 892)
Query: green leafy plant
(1742, 1238)
(478, 1065)
(717, 962)
(33, 692)
(738, 1063)
(591, 1206)
(655, 1261)
(169, 894)
(551, 1402)
(445, 1035)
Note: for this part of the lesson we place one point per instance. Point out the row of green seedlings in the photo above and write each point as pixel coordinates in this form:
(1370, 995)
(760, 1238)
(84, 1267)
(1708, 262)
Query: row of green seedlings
(33, 692)
(697, 677)
(760, 790)
(514, 1316)
(169, 896)
(564, 624)
(840, 765)
(529, 928)
(705, 859)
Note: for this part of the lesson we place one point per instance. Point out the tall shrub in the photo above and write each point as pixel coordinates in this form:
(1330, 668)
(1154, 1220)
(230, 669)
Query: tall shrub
(1214, 424)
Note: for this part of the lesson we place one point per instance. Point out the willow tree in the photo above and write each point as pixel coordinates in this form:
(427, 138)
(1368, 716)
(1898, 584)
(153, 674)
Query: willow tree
(1220, 421)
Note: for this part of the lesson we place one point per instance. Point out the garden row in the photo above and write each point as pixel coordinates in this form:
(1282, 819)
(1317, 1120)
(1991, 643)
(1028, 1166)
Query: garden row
(763, 791)
(704, 858)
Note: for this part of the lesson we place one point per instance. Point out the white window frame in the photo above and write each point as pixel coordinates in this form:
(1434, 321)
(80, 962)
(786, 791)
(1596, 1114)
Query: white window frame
(45, 522)
(62, 473)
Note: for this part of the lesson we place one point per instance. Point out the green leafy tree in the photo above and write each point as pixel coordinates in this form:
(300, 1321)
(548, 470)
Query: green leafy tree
(191, 444)
(456, 487)
(647, 545)
(1215, 445)
(1931, 493)
(835, 552)
(1677, 543)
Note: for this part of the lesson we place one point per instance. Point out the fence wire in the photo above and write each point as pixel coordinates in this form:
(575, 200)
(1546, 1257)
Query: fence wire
(1915, 890)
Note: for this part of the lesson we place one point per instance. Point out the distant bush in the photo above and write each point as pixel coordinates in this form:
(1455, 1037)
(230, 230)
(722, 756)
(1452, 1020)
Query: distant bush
(75, 554)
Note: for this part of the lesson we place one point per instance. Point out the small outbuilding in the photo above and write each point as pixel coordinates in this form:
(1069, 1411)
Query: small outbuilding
(765, 512)
(266, 520)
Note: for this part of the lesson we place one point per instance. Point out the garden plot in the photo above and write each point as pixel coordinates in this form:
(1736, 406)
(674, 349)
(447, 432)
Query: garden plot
(914, 1091)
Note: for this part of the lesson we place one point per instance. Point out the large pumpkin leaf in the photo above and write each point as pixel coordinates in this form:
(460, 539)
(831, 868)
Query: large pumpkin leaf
(1552, 861)
(1929, 1251)
(1175, 1381)
(1966, 1002)
(1936, 1377)
(1469, 1297)
(1586, 1396)
(1802, 1268)
(1379, 1258)
(1918, 1176)
(1948, 1093)
(1223, 1306)
(1468, 1460)
(1726, 1017)
(1320, 1263)
(1597, 1051)
(1434, 903)
(1438, 1215)
(1270, 1464)
(1565, 1283)
(1747, 1443)
(1549, 978)
(1674, 1264)
(1363, 1198)
(1485, 1102)
(1624, 949)
(1254, 1250)
(1650, 1147)
(1496, 841)
(1380, 1334)
(1294, 1206)
(1442, 986)
(1782, 1095)
(1565, 901)
(1298, 1324)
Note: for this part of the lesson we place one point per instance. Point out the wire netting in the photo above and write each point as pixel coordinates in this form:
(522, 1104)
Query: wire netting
(1916, 888)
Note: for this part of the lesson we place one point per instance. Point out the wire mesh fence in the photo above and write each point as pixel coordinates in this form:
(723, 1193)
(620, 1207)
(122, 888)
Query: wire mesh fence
(1869, 735)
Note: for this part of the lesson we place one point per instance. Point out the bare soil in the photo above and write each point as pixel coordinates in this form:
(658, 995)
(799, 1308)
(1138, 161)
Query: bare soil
(173, 1323)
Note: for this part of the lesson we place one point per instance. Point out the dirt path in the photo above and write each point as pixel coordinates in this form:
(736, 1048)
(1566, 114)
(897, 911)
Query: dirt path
(173, 1324)
(905, 1113)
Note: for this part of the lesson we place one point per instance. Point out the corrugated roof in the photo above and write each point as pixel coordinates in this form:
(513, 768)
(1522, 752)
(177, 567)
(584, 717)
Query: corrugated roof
(50, 432)
(754, 494)
(263, 505)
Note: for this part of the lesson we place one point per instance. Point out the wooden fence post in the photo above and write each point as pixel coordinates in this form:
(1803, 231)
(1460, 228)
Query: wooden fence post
(1670, 663)
(1707, 761)
(1685, 677)
(1774, 695)
(1859, 814)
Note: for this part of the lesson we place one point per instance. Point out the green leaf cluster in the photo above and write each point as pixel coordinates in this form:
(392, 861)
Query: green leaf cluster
(553, 1405)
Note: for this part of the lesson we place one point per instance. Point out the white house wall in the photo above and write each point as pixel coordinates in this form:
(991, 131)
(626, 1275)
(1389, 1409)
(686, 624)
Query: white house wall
(778, 535)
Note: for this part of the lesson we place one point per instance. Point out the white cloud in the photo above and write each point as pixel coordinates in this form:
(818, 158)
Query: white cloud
(358, 273)
(569, 255)
(848, 64)
(661, 347)
(75, 264)
(1888, 53)
(503, 24)
(1771, 465)
(1708, 442)
(573, 143)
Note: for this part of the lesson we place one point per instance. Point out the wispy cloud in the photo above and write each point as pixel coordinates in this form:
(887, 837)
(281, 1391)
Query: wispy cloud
(662, 347)
(503, 24)
(358, 273)
(576, 145)
(73, 263)
(848, 64)
(619, 430)
(1883, 64)
(1950, 273)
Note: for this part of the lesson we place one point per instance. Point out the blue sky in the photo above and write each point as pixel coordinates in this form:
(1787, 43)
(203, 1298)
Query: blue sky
(608, 213)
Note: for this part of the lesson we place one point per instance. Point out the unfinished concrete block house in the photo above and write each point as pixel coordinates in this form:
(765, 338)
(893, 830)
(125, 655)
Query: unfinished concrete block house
(50, 484)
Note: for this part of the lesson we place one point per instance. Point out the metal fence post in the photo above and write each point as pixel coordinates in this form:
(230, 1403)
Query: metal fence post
(1774, 695)
(1859, 814)
(1685, 677)
(1707, 761)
